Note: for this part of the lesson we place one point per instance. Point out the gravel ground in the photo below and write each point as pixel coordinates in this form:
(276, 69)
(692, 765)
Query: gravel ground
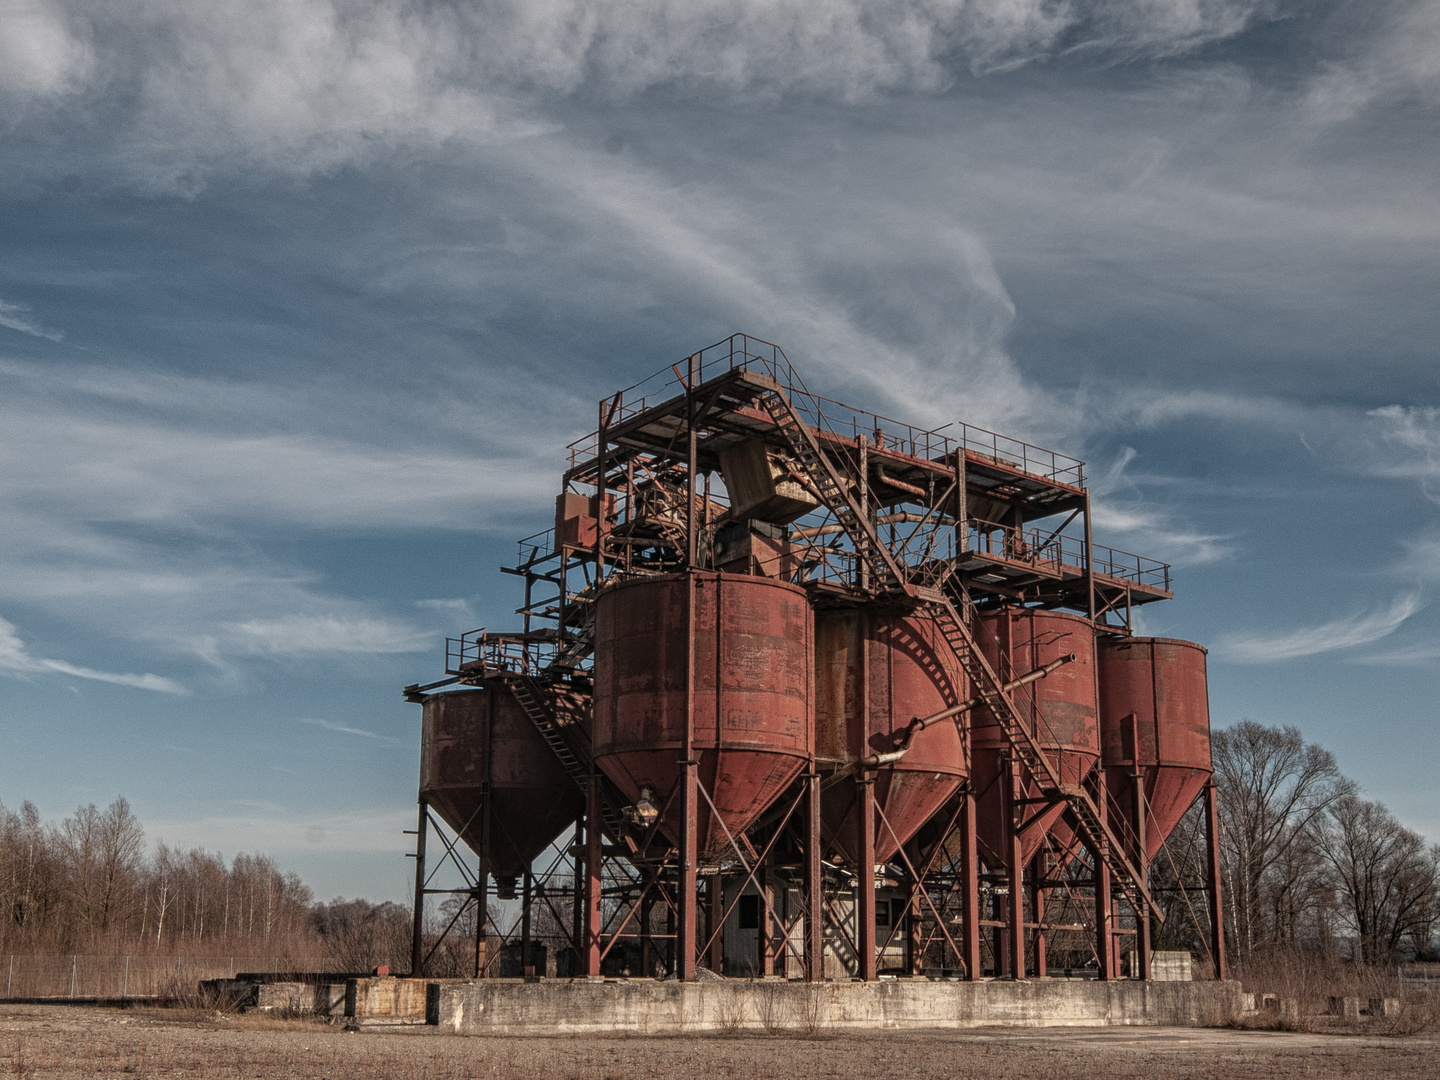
(51, 1041)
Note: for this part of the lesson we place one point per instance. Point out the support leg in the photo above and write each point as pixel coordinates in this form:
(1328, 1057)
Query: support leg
(417, 933)
(1038, 873)
(1217, 909)
(814, 885)
(526, 963)
(765, 946)
(592, 877)
(1104, 909)
(1014, 872)
(686, 898)
(714, 913)
(970, 886)
(865, 880)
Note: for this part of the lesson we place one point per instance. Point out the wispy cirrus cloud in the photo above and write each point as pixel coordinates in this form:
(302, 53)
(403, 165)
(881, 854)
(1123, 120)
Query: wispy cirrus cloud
(15, 659)
(1344, 632)
(17, 317)
(344, 729)
(314, 635)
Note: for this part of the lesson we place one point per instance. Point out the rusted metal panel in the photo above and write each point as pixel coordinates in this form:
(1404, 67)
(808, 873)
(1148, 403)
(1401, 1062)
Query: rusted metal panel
(876, 669)
(753, 727)
(1017, 641)
(1161, 682)
(471, 738)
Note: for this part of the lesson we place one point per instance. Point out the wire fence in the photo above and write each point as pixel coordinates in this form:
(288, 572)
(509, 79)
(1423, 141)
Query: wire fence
(121, 977)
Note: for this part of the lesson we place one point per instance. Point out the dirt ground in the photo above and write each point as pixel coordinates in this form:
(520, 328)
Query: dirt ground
(52, 1041)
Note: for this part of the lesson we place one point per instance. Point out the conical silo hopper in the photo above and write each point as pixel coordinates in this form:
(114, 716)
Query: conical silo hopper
(1154, 720)
(877, 669)
(480, 737)
(753, 728)
(1061, 710)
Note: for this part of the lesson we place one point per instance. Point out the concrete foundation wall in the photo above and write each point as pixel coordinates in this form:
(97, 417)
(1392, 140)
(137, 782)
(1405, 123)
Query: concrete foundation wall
(643, 1007)
(386, 998)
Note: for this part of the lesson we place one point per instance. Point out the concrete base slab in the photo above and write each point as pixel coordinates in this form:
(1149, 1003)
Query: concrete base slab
(642, 1007)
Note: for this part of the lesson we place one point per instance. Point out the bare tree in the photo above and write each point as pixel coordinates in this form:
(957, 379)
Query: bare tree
(1272, 788)
(102, 851)
(1387, 878)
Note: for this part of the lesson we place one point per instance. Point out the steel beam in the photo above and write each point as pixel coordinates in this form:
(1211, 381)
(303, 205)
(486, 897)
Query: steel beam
(865, 878)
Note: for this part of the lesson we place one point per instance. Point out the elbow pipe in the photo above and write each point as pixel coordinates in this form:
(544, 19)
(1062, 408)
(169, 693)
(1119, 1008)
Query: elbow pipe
(900, 485)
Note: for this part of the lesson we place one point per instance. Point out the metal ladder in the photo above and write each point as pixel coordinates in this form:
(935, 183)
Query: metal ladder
(988, 687)
(833, 492)
(528, 694)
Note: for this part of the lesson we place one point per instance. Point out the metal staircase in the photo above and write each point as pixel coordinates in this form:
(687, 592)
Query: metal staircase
(578, 767)
(890, 574)
(833, 491)
(989, 688)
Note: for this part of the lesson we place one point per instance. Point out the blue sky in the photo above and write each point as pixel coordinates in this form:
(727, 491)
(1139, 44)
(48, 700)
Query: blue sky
(301, 300)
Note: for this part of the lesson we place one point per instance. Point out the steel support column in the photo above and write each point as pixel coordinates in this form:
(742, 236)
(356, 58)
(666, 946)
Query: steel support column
(1104, 914)
(1213, 872)
(482, 885)
(814, 884)
(527, 892)
(1014, 872)
(865, 878)
(765, 943)
(970, 885)
(1038, 873)
(686, 899)
(714, 915)
(417, 933)
(593, 883)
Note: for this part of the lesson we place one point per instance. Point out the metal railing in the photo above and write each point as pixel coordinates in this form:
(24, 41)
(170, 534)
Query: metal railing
(1054, 553)
(740, 351)
(480, 652)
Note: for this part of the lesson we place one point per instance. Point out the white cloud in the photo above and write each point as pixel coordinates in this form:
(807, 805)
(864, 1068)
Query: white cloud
(14, 316)
(1344, 632)
(41, 52)
(15, 659)
(280, 830)
(1396, 56)
(305, 85)
(330, 725)
(312, 635)
(1120, 507)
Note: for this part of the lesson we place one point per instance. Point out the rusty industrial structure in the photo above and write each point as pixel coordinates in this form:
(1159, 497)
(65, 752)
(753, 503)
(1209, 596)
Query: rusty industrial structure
(800, 691)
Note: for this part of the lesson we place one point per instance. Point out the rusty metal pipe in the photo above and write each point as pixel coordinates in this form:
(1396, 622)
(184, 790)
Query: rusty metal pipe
(920, 723)
(906, 516)
(900, 485)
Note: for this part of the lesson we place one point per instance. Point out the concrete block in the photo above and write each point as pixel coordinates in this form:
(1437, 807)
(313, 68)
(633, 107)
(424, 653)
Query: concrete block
(645, 1007)
(1247, 1003)
(1289, 1010)
(385, 999)
(1386, 1008)
(1172, 967)
(1347, 1008)
(325, 999)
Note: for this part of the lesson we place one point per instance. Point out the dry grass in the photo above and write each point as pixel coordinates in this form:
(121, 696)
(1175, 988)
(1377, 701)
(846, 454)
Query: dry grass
(59, 1043)
(1310, 981)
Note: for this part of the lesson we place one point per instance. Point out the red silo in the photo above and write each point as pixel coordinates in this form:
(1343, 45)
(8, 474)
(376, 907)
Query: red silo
(475, 738)
(1061, 711)
(875, 671)
(1154, 720)
(753, 728)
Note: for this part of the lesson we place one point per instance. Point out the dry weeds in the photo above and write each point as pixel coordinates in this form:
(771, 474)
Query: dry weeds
(67, 1043)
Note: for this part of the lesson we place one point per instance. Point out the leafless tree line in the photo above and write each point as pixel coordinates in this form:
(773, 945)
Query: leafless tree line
(1307, 863)
(88, 884)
